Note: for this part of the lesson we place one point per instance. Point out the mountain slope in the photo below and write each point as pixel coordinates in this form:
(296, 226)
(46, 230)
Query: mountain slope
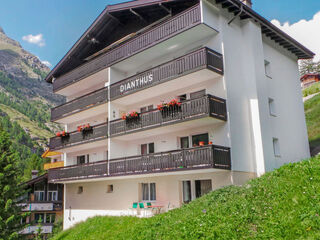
(25, 101)
(283, 204)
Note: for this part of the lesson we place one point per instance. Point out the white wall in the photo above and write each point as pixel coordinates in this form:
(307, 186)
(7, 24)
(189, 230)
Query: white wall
(96, 201)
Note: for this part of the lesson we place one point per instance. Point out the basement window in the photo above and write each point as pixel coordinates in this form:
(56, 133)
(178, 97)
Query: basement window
(110, 188)
(80, 189)
(276, 147)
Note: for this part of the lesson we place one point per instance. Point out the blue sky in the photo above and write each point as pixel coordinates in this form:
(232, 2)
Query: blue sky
(61, 22)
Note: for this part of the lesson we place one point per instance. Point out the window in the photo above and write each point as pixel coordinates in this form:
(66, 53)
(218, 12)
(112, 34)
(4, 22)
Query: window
(52, 192)
(196, 139)
(39, 196)
(267, 68)
(50, 217)
(272, 109)
(52, 195)
(186, 191)
(182, 97)
(81, 159)
(184, 142)
(198, 94)
(148, 191)
(39, 217)
(147, 108)
(202, 187)
(80, 189)
(276, 147)
(147, 148)
(110, 188)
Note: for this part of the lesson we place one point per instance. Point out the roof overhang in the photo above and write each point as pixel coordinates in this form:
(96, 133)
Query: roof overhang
(120, 20)
(114, 23)
(268, 29)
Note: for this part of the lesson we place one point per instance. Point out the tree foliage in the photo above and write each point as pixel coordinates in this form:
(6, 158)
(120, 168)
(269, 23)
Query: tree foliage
(308, 66)
(10, 190)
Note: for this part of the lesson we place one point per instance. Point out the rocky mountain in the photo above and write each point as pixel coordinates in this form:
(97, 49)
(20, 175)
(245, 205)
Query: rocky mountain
(25, 101)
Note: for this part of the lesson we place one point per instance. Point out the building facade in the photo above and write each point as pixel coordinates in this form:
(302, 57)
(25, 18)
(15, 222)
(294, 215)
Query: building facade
(44, 202)
(168, 100)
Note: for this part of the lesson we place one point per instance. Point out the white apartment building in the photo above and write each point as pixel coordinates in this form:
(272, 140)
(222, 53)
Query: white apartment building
(235, 112)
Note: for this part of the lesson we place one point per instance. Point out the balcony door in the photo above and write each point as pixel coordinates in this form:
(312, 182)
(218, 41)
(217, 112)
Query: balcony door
(202, 187)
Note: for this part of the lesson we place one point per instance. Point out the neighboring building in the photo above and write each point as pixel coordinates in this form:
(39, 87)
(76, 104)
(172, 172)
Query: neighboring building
(238, 111)
(309, 79)
(44, 201)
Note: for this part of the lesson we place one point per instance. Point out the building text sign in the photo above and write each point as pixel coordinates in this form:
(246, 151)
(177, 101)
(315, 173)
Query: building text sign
(138, 82)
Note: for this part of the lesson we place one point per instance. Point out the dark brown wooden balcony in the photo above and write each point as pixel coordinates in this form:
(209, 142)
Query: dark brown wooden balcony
(97, 133)
(207, 106)
(210, 156)
(172, 27)
(200, 59)
(79, 104)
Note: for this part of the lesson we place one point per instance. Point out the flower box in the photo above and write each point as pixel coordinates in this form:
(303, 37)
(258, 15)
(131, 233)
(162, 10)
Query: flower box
(84, 128)
(170, 109)
(131, 117)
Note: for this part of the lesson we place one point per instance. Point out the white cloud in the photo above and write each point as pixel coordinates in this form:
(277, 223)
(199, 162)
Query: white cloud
(305, 32)
(34, 39)
(47, 63)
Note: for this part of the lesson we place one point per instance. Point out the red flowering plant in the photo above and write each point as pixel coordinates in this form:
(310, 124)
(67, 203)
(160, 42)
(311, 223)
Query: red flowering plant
(133, 115)
(169, 108)
(62, 134)
(84, 128)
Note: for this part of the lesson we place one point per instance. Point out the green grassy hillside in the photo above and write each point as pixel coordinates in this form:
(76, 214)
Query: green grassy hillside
(312, 111)
(283, 204)
(315, 88)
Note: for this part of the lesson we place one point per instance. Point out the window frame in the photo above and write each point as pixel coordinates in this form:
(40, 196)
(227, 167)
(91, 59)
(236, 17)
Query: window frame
(149, 192)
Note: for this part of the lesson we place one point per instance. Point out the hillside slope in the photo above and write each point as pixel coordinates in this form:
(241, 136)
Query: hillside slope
(283, 204)
(312, 111)
(25, 102)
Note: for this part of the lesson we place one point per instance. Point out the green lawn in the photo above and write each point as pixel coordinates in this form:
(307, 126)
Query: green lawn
(312, 111)
(283, 204)
(315, 88)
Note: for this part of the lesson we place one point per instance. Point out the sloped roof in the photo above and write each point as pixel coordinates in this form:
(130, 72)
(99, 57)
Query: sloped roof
(115, 22)
(119, 20)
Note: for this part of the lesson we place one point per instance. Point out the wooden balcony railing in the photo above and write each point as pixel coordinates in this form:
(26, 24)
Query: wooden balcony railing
(177, 24)
(197, 60)
(89, 170)
(79, 104)
(207, 106)
(47, 166)
(210, 156)
(98, 132)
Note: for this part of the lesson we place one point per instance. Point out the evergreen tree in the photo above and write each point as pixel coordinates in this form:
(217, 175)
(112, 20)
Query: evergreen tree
(10, 190)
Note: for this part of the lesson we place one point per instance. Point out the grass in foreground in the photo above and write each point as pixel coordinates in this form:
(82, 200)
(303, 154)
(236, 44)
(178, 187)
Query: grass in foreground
(315, 88)
(283, 204)
(312, 111)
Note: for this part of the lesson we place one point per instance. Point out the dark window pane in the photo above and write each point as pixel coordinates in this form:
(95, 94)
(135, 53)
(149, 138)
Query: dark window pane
(150, 107)
(202, 187)
(81, 159)
(151, 147)
(184, 142)
(196, 139)
(143, 109)
(186, 188)
(182, 97)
